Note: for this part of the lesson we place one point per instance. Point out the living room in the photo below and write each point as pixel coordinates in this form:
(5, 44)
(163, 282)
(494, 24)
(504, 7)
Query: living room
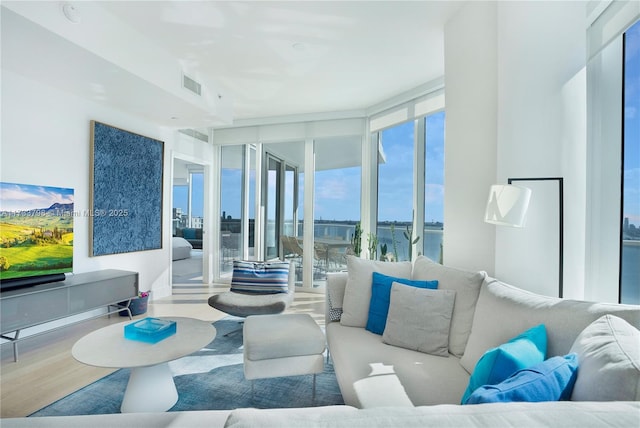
(514, 76)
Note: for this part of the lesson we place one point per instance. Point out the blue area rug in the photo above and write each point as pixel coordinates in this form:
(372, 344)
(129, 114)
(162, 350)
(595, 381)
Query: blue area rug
(210, 379)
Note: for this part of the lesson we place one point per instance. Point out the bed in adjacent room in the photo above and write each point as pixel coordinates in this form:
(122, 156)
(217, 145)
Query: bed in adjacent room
(181, 248)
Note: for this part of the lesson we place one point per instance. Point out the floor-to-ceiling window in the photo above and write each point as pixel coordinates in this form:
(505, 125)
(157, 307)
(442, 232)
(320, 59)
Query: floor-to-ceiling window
(630, 234)
(410, 190)
(395, 194)
(230, 205)
(337, 202)
(434, 186)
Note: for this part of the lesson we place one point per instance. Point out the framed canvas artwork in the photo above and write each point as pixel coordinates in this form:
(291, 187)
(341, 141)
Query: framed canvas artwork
(126, 191)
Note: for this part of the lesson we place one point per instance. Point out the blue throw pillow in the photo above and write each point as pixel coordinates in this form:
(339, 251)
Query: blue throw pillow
(260, 277)
(497, 364)
(381, 296)
(551, 380)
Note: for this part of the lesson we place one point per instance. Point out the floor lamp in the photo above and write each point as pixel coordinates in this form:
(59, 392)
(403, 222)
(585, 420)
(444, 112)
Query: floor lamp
(508, 204)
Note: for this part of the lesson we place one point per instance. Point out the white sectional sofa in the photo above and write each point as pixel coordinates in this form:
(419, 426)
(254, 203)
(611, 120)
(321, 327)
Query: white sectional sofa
(388, 386)
(486, 314)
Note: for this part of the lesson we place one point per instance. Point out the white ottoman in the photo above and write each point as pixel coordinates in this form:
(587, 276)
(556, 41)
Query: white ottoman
(282, 345)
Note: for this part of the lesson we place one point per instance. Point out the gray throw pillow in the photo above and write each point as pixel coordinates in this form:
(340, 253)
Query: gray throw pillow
(609, 361)
(419, 319)
(467, 287)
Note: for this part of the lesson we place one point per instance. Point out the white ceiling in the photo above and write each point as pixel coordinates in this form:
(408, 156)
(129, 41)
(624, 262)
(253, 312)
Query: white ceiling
(282, 58)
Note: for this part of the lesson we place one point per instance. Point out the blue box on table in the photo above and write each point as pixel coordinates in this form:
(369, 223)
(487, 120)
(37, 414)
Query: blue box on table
(150, 330)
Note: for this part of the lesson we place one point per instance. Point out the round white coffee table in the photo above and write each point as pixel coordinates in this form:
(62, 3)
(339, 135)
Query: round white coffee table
(151, 387)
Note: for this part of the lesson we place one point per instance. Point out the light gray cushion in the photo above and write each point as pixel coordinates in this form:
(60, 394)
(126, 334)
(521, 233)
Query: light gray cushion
(419, 319)
(609, 361)
(467, 287)
(278, 336)
(504, 311)
(371, 373)
(357, 294)
(278, 418)
(548, 414)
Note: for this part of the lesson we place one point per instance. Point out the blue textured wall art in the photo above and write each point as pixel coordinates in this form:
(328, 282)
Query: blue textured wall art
(126, 186)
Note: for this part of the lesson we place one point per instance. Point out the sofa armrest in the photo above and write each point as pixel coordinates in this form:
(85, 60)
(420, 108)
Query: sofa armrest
(336, 284)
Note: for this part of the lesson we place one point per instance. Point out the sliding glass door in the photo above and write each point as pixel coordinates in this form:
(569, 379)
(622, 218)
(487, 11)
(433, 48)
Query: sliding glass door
(280, 196)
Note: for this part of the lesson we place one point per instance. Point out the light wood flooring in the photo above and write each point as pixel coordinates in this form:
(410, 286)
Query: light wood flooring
(46, 370)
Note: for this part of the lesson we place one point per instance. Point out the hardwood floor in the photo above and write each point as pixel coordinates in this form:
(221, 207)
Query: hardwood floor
(46, 370)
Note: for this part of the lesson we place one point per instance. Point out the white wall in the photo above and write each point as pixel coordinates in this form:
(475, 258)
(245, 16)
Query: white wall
(604, 181)
(516, 107)
(542, 133)
(46, 140)
(471, 133)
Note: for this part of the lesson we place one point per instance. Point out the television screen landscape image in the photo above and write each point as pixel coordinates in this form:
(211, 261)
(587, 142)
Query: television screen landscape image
(36, 231)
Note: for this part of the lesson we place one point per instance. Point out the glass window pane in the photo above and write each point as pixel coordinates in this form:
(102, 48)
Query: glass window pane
(434, 186)
(282, 200)
(180, 207)
(630, 257)
(251, 150)
(395, 190)
(230, 206)
(197, 199)
(289, 201)
(337, 202)
(273, 211)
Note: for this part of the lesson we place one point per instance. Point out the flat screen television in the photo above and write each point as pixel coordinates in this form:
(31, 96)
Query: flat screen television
(36, 234)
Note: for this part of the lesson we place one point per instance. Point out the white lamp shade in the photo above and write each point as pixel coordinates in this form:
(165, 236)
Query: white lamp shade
(507, 205)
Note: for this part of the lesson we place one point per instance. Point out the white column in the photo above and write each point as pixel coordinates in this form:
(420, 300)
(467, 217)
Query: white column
(418, 184)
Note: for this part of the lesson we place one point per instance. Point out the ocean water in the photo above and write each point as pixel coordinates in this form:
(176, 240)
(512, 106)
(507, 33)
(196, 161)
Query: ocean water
(630, 292)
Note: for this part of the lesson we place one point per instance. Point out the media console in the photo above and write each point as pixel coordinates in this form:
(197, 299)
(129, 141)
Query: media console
(28, 307)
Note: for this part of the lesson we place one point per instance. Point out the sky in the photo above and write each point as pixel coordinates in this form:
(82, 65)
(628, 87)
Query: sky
(395, 176)
(631, 196)
(21, 197)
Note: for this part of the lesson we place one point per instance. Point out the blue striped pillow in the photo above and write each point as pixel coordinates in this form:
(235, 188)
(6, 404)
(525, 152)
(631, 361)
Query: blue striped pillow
(260, 277)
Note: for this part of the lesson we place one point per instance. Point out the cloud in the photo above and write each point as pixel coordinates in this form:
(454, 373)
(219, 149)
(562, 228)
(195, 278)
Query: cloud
(434, 193)
(17, 197)
(335, 189)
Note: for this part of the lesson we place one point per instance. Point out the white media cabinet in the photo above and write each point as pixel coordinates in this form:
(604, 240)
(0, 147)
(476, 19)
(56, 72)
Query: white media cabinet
(30, 306)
